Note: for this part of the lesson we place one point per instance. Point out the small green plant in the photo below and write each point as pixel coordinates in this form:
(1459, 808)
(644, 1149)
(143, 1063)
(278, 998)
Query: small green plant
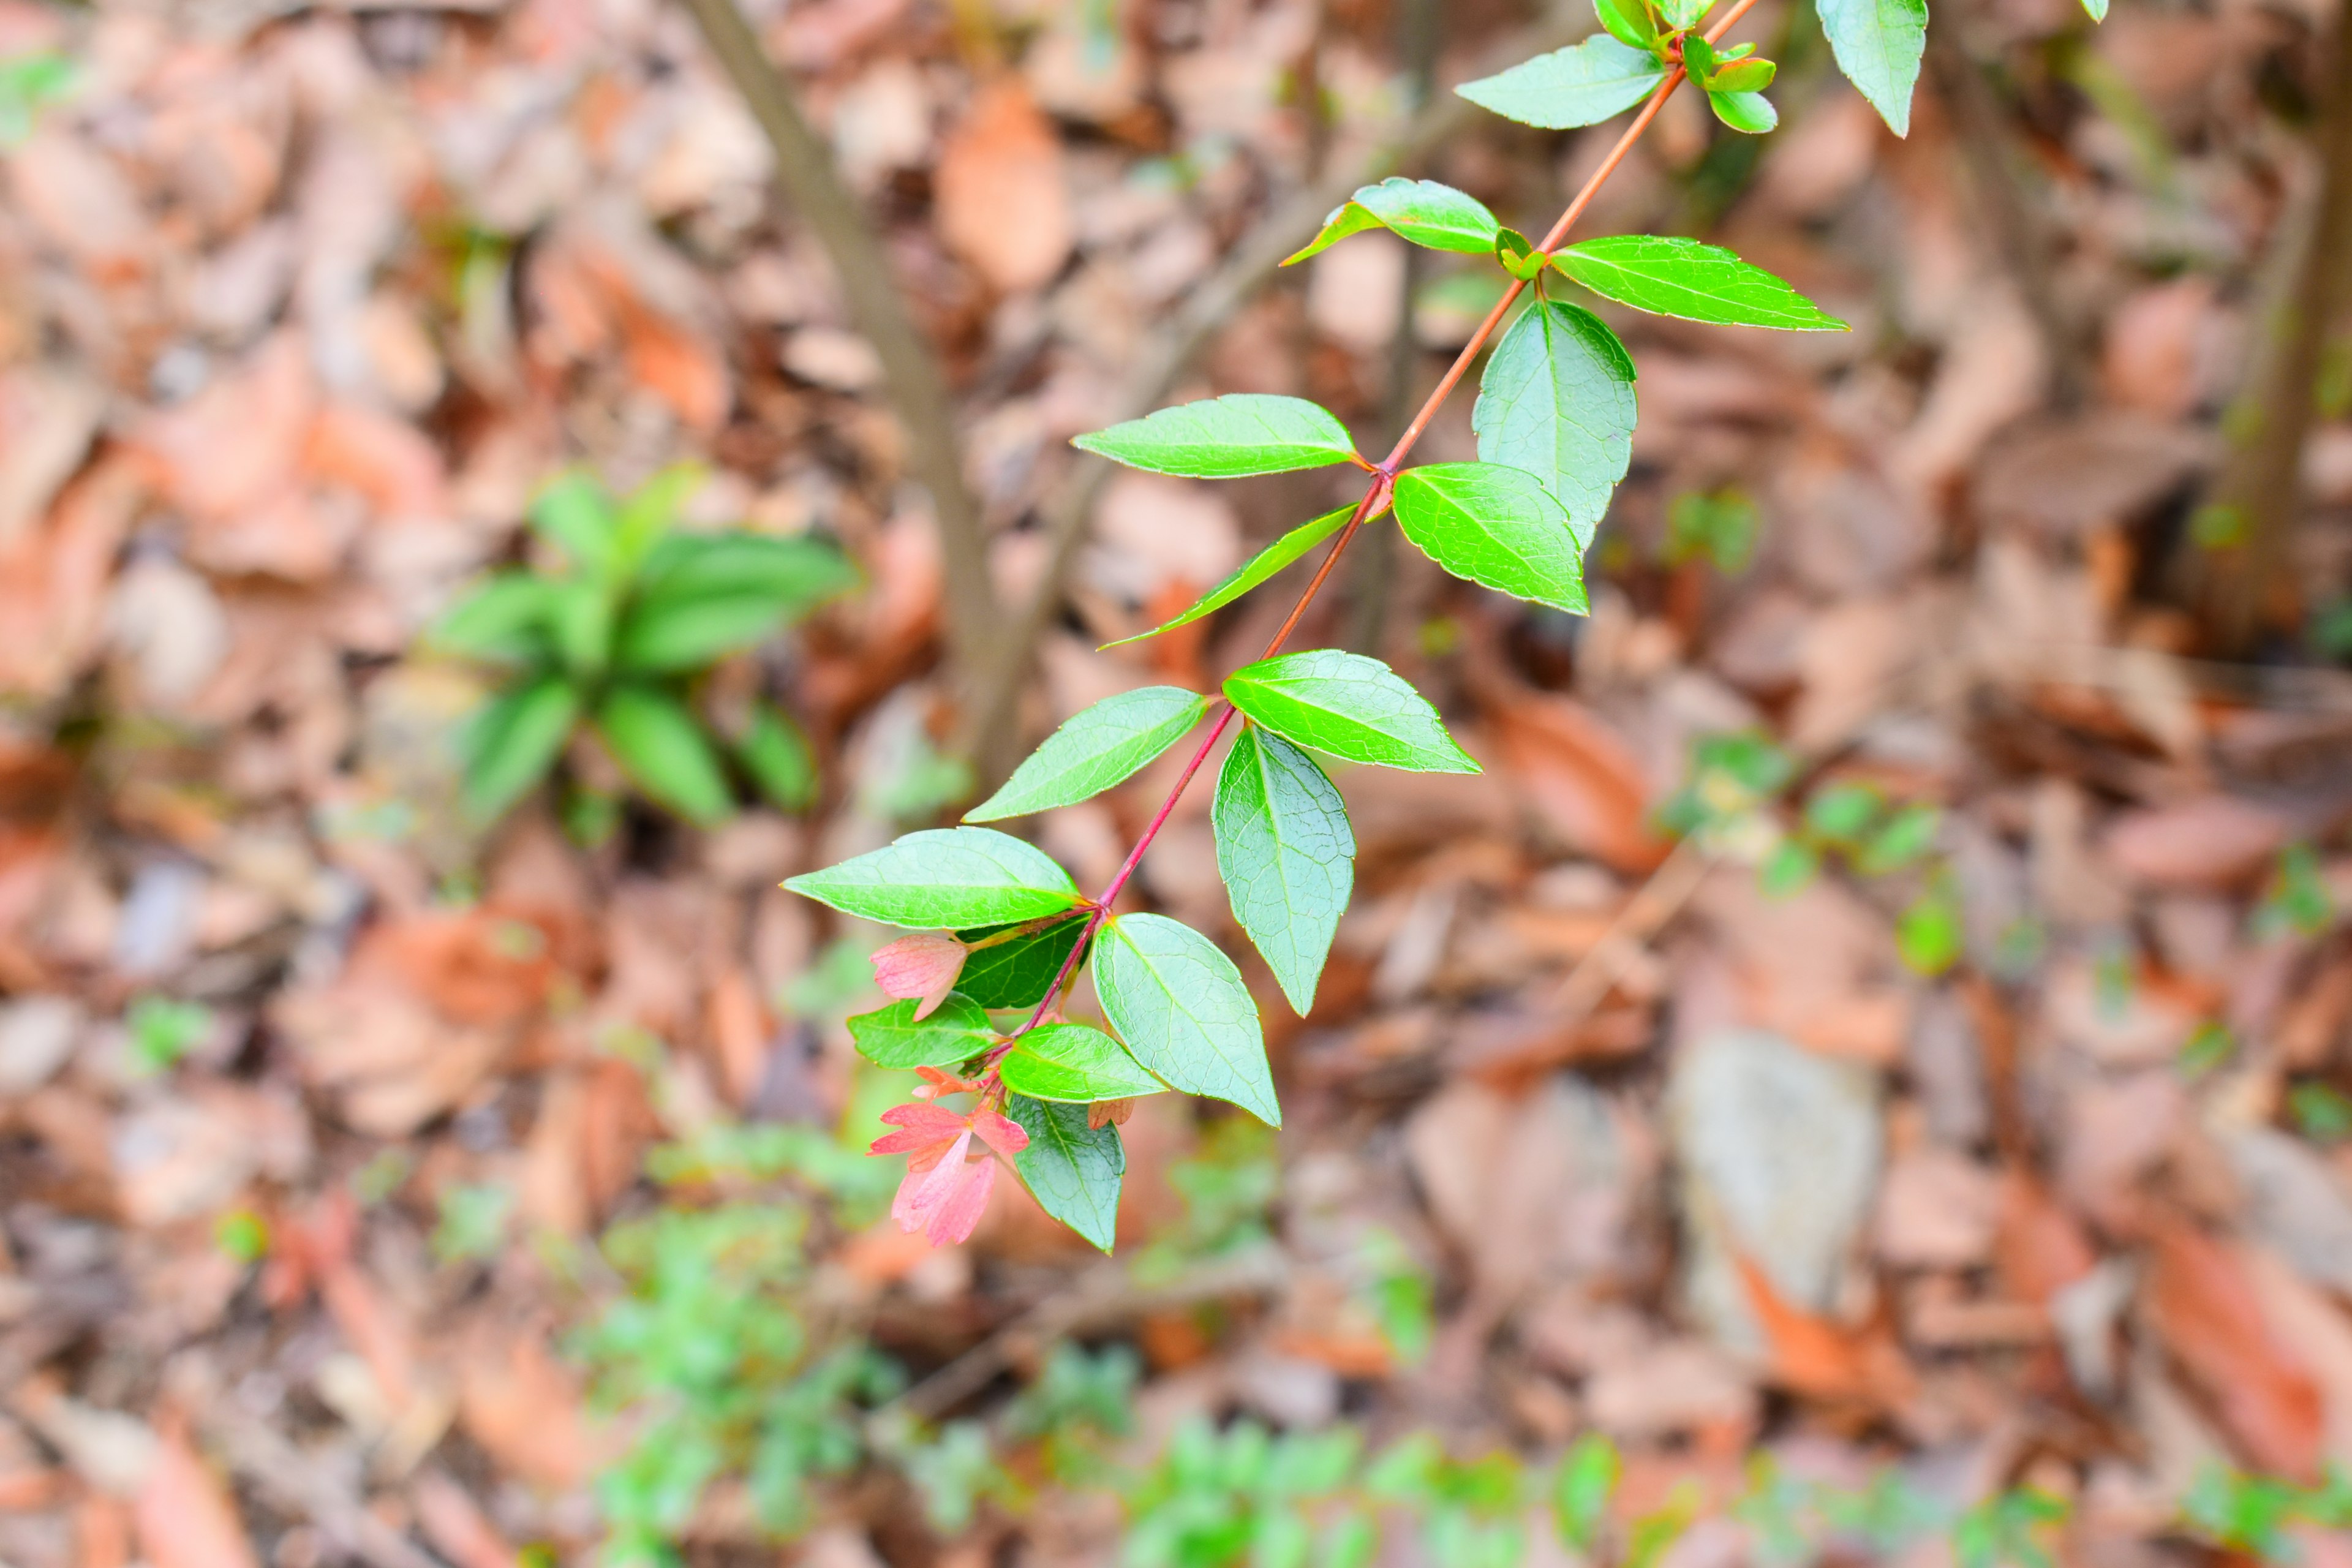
(242, 1235)
(473, 1221)
(614, 633)
(2321, 1112)
(160, 1031)
(1720, 525)
(28, 84)
(2296, 902)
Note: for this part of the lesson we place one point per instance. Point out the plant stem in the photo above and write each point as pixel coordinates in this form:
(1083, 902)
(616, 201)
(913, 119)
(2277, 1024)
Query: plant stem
(1383, 479)
(918, 387)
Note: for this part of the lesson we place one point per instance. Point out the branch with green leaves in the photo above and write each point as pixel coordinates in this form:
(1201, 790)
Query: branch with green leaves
(1001, 930)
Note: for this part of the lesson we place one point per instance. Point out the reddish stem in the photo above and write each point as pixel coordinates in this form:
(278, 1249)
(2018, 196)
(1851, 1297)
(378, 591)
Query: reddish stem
(1383, 479)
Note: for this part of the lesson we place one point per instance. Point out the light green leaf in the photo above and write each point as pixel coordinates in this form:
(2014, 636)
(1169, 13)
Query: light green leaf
(1287, 854)
(1750, 113)
(1878, 44)
(1628, 22)
(573, 514)
(779, 759)
(1744, 76)
(1494, 526)
(1073, 1062)
(944, 877)
(1180, 1006)
(1421, 211)
(1225, 437)
(510, 744)
(665, 752)
(506, 621)
(1557, 401)
(1072, 1170)
(642, 520)
(1018, 973)
(957, 1031)
(1674, 277)
(1517, 254)
(1583, 84)
(1254, 571)
(1095, 750)
(704, 597)
(1681, 14)
(2096, 9)
(1355, 708)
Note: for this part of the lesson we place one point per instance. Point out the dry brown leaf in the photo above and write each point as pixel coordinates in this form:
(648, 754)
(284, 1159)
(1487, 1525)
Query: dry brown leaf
(1003, 200)
(1579, 774)
(523, 1406)
(184, 1515)
(2213, 841)
(1825, 1360)
(2206, 1310)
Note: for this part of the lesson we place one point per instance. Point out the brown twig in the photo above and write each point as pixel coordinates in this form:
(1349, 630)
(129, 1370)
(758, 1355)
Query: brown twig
(918, 387)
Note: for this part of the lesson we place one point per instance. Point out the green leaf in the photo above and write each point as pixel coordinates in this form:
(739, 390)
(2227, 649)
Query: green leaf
(1557, 401)
(1072, 1170)
(1681, 14)
(1587, 1479)
(1750, 113)
(2096, 9)
(1517, 254)
(706, 596)
(1180, 1006)
(957, 1031)
(1287, 856)
(1018, 973)
(575, 515)
(1583, 84)
(1494, 526)
(1095, 750)
(641, 522)
(1254, 571)
(1908, 836)
(665, 752)
(513, 742)
(1355, 708)
(779, 759)
(1073, 1062)
(1675, 277)
(944, 877)
(1225, 437)
(580, 613)
(1424, 212)
(1878, 44)
(505, 621)
(1744, 76)
(1628, 22)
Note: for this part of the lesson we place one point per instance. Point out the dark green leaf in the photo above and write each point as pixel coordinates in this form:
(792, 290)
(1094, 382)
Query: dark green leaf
(506, 620)
(1879, 45)
(1583, 84)
(1494, 526)
(1557, 401)
(1072, 1170)
(580, 612)
(706, 596)
(665, 752)
(1074, 1062)
(513, 742)
(1421, 211)
(778, 757)
(957, 1031)
(1094, 750)
(1354, 707)
(1287, 856)
(1226, 437)
(945, 878)
(1180, 1005)
(1018, 973)
(1256, 570)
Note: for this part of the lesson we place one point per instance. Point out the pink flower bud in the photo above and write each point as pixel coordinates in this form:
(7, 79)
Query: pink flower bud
(924, 964)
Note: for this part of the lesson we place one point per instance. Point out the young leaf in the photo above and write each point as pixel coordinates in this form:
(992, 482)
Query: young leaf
(1749, 113)
(1628, 22)
(1517, 254)
(505, 620)
(1225, 437)
(1878, 44)
(1583, 84)
(1255, 570)
(1674, 277)
(513, 741)
(1421, 211)
(1355, 708)
(1557, 401)
(956, 1032)
(1287, 854)
(944, 877)
(1071, 1169)
(1681, 14)
(1744, 76)
(1073, 1062)
(2096, 9)
(1095, 750)
(1494, 526)
(1018, 973)
(665, 752)
(575, 515)
(1180, 1006)
(777, 756)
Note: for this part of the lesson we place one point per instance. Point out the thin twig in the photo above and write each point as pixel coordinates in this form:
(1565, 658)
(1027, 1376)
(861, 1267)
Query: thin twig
(990, 735)
(918, 387)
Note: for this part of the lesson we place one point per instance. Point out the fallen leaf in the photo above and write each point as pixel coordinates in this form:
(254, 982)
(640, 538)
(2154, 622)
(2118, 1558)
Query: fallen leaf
(1579, 774)
(185, 1515)
(1003, 198)
(2208, 1313)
